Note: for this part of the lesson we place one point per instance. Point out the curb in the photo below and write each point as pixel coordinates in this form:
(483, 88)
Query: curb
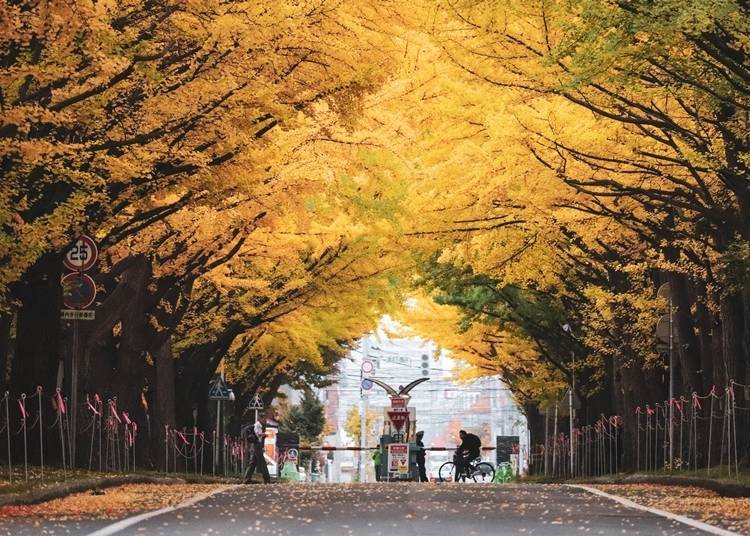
(700, 525)
(89, 484)
(725, 489)
(118, 526)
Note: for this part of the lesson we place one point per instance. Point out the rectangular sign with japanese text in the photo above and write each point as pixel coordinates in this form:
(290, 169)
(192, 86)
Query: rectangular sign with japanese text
(398, 458)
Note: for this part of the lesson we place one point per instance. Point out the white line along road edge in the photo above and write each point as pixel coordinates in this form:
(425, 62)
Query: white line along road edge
(682, 519)
(114, 528)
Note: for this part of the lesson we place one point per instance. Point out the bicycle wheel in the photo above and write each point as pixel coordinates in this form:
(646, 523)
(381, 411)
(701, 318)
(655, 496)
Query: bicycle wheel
(447, 472)
(483, 472)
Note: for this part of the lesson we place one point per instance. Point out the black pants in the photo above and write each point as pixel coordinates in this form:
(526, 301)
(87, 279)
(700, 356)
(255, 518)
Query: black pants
(258, 461)
(422, 470)
(462, 461)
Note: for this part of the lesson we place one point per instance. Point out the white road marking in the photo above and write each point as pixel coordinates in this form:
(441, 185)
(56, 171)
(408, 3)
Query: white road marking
(114, 528)
(663, 513)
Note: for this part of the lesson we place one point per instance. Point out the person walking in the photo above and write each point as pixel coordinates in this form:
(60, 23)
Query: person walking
(257, 438)
(421, 457)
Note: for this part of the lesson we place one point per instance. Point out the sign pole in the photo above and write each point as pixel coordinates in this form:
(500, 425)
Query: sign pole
(671, 385)
(571, 409)
(74, 394)
(7, 429)
(41, 429)
(218, 423)
(363, 412)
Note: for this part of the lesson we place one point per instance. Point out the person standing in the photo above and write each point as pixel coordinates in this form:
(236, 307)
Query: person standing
(421, 457)
(377, 460)
(257, 438)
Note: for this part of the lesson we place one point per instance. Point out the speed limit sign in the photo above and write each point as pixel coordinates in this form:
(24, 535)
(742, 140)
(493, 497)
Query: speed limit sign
(82, 255)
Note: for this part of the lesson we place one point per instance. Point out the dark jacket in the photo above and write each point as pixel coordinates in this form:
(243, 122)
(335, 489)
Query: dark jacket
(420, 452)
(471, 444)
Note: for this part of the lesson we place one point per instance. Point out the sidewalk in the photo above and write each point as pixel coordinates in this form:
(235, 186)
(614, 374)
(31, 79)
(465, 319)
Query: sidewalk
(57, 484)
(112, 503)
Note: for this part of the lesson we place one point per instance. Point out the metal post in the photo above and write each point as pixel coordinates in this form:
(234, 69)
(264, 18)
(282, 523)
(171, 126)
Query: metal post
(571, 409)
(218, 424)
(363, 413)
(73, 409)
(166, 448)
(25, 449)
(100, 407)
(554, 448)
(671, 383)
(7, 429)
(41, 429)
(546, 441)
(60, 426)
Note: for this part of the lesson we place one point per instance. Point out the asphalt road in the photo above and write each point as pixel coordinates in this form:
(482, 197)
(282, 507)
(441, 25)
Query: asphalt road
(388, 510)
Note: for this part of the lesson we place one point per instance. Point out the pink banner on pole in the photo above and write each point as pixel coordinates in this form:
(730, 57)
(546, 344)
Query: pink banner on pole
(22, 407)
(91, 406)
(113, 412)
(60, 402)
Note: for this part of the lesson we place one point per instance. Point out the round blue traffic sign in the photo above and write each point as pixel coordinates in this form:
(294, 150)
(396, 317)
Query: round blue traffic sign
(367, 384)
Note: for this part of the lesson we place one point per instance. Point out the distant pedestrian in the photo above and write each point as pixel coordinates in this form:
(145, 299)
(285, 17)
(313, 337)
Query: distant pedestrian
(257, 438)
(377, 460)
(421, 457)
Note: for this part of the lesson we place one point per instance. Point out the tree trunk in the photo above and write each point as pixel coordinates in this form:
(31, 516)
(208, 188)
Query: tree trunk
(162, 400)
(6, 321)
(687, 350)
(704, 324)
(35, 360)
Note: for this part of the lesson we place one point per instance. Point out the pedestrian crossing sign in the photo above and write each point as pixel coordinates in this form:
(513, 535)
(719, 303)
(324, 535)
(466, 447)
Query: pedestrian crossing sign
(218, 390)
(256, 402)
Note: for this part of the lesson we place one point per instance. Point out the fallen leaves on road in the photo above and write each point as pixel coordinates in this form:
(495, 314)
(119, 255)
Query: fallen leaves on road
(111, 502)
(696, 503)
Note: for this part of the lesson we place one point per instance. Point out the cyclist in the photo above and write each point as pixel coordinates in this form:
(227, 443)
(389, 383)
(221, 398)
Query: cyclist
(467, 452)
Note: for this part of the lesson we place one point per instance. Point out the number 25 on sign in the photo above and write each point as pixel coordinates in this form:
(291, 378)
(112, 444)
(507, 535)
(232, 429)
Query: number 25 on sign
(82, 255)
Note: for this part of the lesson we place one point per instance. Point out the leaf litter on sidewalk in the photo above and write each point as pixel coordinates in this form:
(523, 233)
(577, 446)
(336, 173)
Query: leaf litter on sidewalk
(730, 513)
(110, 503)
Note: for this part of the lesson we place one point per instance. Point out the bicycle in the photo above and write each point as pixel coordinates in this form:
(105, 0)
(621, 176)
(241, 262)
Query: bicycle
(481, 472)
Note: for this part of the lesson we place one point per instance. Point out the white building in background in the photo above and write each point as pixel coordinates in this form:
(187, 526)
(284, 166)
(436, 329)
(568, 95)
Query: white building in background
(443, 405)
